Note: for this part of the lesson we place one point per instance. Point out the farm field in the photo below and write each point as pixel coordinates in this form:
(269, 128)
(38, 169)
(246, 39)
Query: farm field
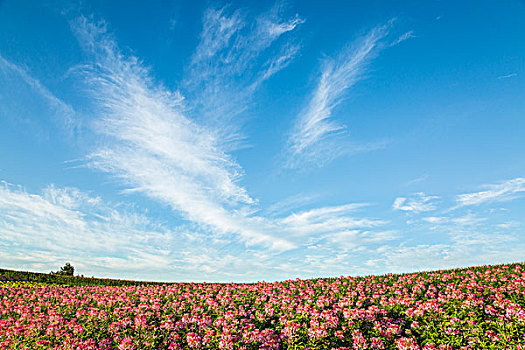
(473, 308)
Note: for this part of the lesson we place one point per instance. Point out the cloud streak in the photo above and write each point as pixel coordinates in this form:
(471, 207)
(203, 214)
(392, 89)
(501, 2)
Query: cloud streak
(61, 112)
(403, 37)
(230, 64)
(59, 224)
(418, 203)
(335, 219)
(309, 141)
(507, 76)
(502, 192)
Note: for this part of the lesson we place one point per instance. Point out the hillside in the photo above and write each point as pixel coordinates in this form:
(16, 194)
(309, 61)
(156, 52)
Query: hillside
(46, 278)
(481, 307)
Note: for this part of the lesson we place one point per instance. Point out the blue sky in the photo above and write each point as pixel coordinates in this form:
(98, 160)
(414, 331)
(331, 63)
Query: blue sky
(245, 141)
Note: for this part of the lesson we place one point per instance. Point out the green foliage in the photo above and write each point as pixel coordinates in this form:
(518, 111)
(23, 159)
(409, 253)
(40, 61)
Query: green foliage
(66, 280)
(66, 270)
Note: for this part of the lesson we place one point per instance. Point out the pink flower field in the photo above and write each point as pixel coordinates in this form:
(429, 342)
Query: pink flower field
(474, 308)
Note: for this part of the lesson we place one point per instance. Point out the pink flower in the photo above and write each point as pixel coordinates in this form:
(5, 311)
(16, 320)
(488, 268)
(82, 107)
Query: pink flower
(126, 344)
(193, 340)
(406, 344)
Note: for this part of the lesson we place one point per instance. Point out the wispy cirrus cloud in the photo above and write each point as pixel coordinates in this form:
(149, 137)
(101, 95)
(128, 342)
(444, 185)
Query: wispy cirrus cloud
(218, 29)
(504, 191)
(46, 229)
(237, 52)
(289, 204)
(279, 62)
(233, 39)
(327, 219)
(436, 219)
(461, 249)
(336, 227)
(417, 203)
(40, 231)
(507, 76)
(453, 239)
(416, 180)
(156, 150)
(150, 144)
(459, 221)
(405, 36)
(153, 148)
(60, 112)
(314, 129)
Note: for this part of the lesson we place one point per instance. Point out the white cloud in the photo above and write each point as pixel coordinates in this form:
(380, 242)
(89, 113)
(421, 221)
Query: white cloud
(237, 52)
(60, 112)
(416, 180)
(334, 230)
(510, 224)
(314, 127)
(156, 150)
(405, 36)
(325, 220)
(63, 224)
(231, 42)
(218, 29)
(418, 203)
(504, 191)
(458, 222)
(279, 62)
(459, 246)
(358, 239)
(69, 198)
(460, 238)
(468, 220)
(436, 219)
(274, 28)
(288, 204)
(42, 231)
(506, 76)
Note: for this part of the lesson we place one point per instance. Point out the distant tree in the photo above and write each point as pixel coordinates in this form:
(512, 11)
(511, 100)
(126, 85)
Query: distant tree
(66, 270)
